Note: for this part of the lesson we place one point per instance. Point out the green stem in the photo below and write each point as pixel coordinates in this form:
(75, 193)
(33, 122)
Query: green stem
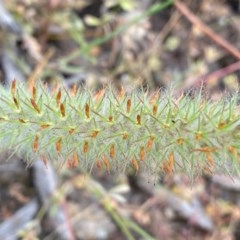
(138, 229)
(118, 219)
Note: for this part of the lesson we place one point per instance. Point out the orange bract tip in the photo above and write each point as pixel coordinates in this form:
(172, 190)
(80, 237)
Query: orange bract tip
(168, 165)
(142, 154)
(13, 87)
(73, 162)
(99, 165)
(35, 144)
(21, 120)
(198, 136)
(205, 149)
(106, 164)
(207, 170)
(221, 125)
(94, 134)
(44, 160)
(180, 141)
(110, 118)
(71, 130)
(210, 159)
(69, 163)
(233, 150)
(54, 88)
(15, 102)
(112, 151)
(87, 111)
(135, 164)
(34, 93)
(62, 109)
(154, 110)
(73, 90)
(58, 97)
(59, 145)
(139, 119)
(121, 93)
(31, 85)
(124, 135)
(209, 167)
(150, 143)
(35, 106)
(75, 159)
(45, 85)
(45, 125)
(154, 98)
(98, 96)
(129, 103)
(85, 147)
(203, 103)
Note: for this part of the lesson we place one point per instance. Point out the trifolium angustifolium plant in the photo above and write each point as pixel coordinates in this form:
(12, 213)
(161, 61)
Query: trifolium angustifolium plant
(115, 131)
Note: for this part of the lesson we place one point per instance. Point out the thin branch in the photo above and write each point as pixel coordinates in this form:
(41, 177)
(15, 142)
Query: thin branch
(206, 30)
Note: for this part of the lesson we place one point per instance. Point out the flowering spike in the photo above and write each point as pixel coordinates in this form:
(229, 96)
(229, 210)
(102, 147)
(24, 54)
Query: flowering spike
(153, 126)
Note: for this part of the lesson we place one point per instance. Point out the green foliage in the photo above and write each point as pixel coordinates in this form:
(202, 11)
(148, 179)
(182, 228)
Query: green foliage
(112, 131)
(76, 29)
